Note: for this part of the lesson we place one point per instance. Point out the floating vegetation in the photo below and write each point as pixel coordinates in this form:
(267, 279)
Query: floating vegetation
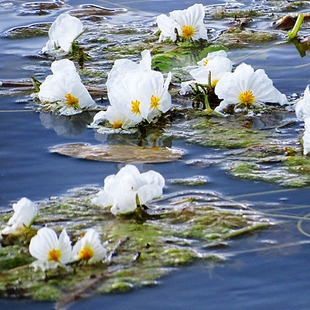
(119, 153)
(176, 231)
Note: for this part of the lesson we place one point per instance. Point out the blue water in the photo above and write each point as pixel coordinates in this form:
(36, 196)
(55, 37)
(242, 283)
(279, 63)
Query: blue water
(267, 269)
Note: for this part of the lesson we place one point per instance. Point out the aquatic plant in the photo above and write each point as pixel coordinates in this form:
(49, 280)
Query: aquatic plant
(128, 189)
(63, 91)
(209, 72)
(302, 107)
(306, 137)
(187, 23)
(135, 93)
(245, 87)
(62, 33)
(89, 249)
(49, 250)
(25, 212)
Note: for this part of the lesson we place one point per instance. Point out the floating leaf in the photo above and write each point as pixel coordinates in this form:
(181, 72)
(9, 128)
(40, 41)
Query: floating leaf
(119, 153)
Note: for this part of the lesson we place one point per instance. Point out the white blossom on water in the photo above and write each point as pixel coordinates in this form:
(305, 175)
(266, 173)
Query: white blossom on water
(187, 23)
(128, 188)
(89, 248)
(136, 93)
(306, 137)
(25, 212)
(302, 108)
(63, 32)
(210, 69)
(49, 250)
(63, 91)
(248, 87)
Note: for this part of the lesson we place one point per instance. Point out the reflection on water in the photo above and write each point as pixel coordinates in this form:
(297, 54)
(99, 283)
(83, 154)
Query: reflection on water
(268, 269)
(64, 125)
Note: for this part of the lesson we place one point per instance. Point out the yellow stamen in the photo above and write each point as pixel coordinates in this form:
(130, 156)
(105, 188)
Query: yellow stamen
(117, 125)
(155, 102)
(135, 107)
(205, 62)
(187, 32)
(86, 253)
(54, 255)
(247, 97)
(72, 101)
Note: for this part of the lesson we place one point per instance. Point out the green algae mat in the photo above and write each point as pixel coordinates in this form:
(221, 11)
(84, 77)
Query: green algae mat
(175, 230)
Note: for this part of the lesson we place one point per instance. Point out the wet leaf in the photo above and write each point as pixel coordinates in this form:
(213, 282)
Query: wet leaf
(119, 153)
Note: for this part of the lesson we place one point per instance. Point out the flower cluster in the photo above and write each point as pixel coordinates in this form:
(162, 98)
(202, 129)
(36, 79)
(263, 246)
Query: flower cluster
(239, 89)
(123, 192)
(186, 24)
(51, 251)
(127, 189)
(63, 90)
(63, 32)
(136, 93)
(302, 110)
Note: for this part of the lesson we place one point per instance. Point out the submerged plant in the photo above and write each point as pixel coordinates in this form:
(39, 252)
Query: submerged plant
(63, 91)
(25, 212)
(63, 32)
(128, 189)
(49, 250)
(187, 24)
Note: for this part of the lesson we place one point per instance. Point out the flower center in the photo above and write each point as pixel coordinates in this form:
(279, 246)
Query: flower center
(247, 97)
(86, 253)
(135, 107)
(54, 255)
(155, 102)
(187, 32)
(205, 62)
(72, 101)
(117, 125)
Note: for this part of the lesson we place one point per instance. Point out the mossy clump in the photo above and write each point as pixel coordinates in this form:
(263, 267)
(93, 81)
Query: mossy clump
(139, 252)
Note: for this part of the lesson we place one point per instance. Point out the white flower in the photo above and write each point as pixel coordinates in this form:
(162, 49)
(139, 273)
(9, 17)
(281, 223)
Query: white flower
(136, 92)
(188, 23)
(63, 90)
(306, 137)
(302, 108)
(25, 212)
(215, 65)
(122, 66)
(128, 188)
(89, 248)
(167, 26)
(63, 32)
(247, 87)
(49, 250)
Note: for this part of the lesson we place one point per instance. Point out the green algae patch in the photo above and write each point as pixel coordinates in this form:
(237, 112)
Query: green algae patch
(250, 149)
(26, 32)
(237, 37)
(175, 232)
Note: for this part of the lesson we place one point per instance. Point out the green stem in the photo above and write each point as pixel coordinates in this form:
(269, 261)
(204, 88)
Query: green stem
(208, 109)
(293, 34)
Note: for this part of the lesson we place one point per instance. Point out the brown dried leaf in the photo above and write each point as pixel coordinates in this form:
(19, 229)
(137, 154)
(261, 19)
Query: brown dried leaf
(119, 153)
